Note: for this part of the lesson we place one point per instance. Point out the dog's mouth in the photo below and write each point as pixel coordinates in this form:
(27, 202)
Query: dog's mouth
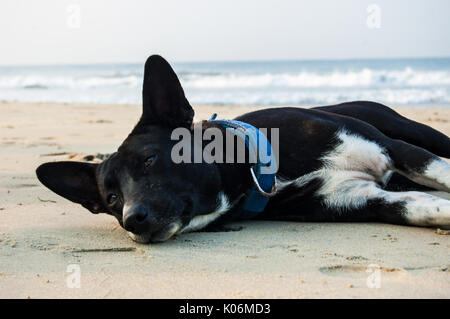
(166, 232)
(161, 235)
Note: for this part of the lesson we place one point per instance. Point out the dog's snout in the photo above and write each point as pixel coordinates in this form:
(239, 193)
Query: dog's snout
(141, 214)
(138, 219)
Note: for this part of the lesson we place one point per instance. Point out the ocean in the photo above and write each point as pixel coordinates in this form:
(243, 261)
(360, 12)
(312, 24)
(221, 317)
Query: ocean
(395, 82)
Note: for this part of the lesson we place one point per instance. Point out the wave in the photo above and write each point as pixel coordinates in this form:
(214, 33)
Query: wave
(399, 86)
(67, 82)
(362, 78)
(392, 97)
(322, 97)
(349, 79)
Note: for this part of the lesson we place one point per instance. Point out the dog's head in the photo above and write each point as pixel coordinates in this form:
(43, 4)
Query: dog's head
(152, 197)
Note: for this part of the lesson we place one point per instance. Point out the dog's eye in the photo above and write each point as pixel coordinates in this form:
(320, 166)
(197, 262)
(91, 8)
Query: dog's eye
(112, 198)
(149, 161)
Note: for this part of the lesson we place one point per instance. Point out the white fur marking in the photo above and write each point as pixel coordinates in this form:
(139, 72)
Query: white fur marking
(438, 173)
(298, 182)
(201, 221)
(355, 153)
(349, 172)
(422, 209)
(435, 175)
(343, 190)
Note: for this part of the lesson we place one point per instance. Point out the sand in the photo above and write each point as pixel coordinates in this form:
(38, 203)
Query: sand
(45, 239)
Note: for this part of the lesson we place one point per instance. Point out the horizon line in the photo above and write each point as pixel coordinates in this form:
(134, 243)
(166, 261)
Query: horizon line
(230, 61)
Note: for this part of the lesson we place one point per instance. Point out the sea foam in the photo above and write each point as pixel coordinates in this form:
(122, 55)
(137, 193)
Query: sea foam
(395, 82)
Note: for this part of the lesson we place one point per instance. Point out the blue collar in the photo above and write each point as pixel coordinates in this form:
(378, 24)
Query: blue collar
(264, 179)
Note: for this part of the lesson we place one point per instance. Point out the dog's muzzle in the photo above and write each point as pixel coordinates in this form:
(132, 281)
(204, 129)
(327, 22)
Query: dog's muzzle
(143, 227)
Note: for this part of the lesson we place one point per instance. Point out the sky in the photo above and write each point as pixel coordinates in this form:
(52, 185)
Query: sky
(113, 31)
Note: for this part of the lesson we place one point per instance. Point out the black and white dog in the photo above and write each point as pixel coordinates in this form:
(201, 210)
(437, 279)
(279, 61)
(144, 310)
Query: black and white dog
(352, 162)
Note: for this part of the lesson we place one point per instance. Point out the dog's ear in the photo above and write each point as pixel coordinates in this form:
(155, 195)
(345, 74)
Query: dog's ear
(75, 181)
(163, 97)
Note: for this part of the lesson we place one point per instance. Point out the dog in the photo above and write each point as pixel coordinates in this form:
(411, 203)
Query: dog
(351, 162)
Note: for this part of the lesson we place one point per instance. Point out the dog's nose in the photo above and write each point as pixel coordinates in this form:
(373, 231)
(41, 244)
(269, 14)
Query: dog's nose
(138, 219)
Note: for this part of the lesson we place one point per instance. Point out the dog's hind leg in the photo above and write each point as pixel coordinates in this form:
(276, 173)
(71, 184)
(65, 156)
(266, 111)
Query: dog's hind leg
(354, 170)
(400, 183)
(355, 196)
(419, 165)
(348, 187)
(378, 154)
(394, 125)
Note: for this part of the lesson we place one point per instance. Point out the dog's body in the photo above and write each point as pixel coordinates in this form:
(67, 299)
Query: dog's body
(336, 163)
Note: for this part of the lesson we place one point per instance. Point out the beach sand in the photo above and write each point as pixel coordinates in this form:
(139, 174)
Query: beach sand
(43, 235)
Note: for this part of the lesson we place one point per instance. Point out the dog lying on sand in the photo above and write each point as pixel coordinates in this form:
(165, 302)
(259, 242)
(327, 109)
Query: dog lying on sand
(352, 162)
